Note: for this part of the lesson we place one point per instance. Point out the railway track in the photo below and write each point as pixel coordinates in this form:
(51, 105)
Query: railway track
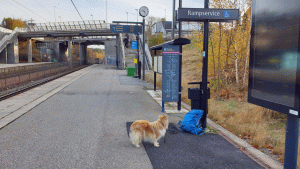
(19, 88)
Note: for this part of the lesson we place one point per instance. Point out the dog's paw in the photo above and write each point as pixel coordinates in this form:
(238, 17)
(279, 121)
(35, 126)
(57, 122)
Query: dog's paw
(137, 145)
(156, 144)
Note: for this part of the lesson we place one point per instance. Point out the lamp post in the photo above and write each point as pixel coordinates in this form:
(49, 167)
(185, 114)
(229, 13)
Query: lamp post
(144, 11)
(173, 20)
(165, 23)
(54, 14)
(106, 11)
(137, 15)
(92, 17)
(59, 18)
(127, 16)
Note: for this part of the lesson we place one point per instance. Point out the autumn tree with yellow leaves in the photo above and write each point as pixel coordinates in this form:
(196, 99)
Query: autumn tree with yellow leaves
(228, 45)
(13, 23)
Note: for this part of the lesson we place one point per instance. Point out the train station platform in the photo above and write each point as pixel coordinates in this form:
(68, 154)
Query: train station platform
(81, 121)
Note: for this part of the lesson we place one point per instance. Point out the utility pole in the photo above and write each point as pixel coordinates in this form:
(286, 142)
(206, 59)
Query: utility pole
(204, 69)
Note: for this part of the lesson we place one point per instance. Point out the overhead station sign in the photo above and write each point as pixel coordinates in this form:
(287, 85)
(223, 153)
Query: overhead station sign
(126, 29)
(213, 15)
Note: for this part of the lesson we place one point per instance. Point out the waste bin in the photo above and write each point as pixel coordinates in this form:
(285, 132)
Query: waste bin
(196, 96)
(130, 71)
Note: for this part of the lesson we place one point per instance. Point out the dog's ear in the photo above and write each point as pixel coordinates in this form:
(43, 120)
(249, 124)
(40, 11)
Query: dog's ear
(163, 118)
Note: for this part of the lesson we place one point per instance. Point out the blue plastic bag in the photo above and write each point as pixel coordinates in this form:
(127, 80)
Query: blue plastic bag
(191, 121)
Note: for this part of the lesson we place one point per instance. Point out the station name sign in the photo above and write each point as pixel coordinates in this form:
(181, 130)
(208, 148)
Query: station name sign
(202, 14)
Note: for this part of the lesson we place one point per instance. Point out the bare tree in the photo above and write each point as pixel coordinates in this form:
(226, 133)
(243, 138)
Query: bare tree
(150, 21)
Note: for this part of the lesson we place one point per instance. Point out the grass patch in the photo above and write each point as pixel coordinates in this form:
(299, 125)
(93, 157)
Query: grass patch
(262, 128)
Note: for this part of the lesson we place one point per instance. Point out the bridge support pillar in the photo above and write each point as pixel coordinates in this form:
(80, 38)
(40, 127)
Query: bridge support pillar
(57, 51)
(70, 48)
(62, 52)
(85, 55)
(13, 52)
(3, 56)
(29, 50)
(110, 52)
(82, 56)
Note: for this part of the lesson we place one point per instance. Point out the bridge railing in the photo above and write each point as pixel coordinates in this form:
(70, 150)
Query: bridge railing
(66, 26)
(121, 44)
(148, 58)
(4, 30)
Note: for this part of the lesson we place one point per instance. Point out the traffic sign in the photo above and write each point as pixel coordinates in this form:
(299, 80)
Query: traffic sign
(213, 15)
(126, 29)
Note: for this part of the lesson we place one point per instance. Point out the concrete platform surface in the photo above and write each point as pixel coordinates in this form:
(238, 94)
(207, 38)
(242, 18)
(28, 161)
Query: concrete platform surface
(79, 121)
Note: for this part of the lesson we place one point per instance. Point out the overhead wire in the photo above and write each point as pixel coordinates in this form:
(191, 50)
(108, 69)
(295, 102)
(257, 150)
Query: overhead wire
(43, 7)
(29, 10)
(77, 10)
(18, 8)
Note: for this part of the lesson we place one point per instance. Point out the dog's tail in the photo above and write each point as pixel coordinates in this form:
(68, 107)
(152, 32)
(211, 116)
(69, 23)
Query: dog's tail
(135, 137)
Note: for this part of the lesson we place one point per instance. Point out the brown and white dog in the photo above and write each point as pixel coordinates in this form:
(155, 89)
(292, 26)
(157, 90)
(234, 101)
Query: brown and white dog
(148, 131)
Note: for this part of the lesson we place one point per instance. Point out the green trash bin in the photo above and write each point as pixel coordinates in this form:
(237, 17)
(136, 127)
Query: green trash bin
(130, 71)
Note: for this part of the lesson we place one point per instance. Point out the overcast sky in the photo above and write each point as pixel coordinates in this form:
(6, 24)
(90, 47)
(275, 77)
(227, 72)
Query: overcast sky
(42, 11)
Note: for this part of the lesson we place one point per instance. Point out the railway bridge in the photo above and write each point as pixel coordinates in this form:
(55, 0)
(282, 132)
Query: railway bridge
(60, 37)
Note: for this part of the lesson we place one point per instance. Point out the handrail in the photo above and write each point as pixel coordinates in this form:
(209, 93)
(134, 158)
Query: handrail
(8, 39)
(122, 50)
(4, 30)
(147, 54)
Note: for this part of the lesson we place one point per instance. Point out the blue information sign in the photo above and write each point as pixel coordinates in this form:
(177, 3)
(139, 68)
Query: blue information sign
(170, 73)
(133, 44)
(213, 15)
(126, 29)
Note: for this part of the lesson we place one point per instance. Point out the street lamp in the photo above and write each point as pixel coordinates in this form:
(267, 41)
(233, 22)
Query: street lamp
(106, 11)
(59, 18)
(127, 17)
(165, 21)
(137, 15)
(92, 17)
(54, 12)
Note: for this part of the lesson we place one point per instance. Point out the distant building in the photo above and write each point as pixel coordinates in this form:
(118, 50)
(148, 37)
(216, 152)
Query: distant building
(165, 27)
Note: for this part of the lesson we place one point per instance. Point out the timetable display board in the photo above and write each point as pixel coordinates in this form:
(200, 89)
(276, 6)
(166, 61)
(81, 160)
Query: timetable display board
(170, 73)
(274, 76)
